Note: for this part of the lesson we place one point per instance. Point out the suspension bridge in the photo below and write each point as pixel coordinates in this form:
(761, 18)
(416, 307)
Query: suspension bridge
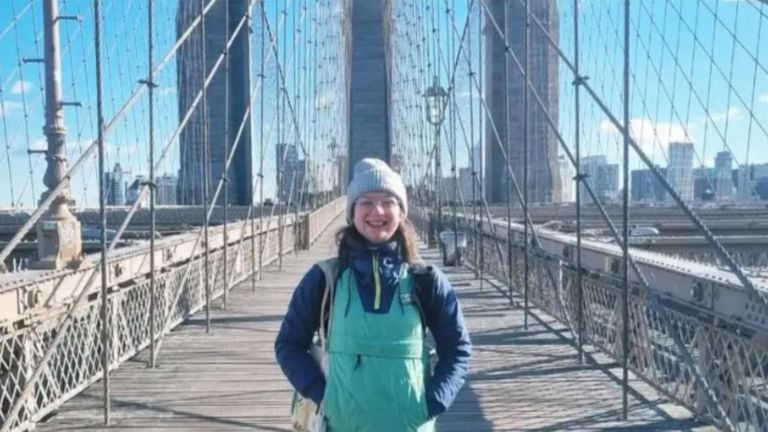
(171, 168)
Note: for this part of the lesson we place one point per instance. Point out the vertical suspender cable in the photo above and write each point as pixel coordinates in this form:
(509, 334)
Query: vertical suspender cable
(473, 148)
(313, 84)
(227, 139)
(454, 156)
(297, 104)
(526, 256)
(280, 157)
(105, 327)
(577, 142)
(253, 192)
(262, 76)
(507, 138)
(152, 191)
(206, 168)
(625, 224)
(481, 138)
(438, 148)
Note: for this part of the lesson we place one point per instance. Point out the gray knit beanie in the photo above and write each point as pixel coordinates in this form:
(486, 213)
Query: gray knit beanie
(374, 175)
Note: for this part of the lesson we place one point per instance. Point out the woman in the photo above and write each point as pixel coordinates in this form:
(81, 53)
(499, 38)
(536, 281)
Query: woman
(383, 301)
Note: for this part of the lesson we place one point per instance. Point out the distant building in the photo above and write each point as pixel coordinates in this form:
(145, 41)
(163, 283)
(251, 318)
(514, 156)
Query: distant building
(287, 169)
(723, 176)
(748, 177)
(341, 175)
(460, 189)
(742, 183)
(645, 186)
(478, 157)
(115, 186)
(465, 185)
(302, 180)
(567, 172)
(133, 192)
(166, 190)
(602, 177)
(703, 183)
(680, 169)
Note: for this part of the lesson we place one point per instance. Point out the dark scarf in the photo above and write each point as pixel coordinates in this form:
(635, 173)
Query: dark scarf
(360, 261)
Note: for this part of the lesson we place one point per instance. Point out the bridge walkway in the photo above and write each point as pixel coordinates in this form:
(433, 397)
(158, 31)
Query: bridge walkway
(228, 379)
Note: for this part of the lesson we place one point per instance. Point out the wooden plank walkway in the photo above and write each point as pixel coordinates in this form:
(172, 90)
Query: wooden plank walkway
(228, 380)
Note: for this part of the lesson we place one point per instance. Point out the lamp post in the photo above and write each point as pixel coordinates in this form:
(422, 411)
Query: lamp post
(436, 98)
(58, 232)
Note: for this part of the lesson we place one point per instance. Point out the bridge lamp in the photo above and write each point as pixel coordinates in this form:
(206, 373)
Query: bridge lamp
(436, 100)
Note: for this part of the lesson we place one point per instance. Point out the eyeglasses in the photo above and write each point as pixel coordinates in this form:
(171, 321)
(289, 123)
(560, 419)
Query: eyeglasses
(386, 204)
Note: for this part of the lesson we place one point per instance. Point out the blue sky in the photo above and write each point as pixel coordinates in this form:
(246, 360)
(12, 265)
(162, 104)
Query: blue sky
(713, 111)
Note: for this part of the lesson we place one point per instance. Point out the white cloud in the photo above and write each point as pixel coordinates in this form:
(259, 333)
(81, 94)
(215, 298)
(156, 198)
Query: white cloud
(650, 136)
(8, 108)
(763, 98)
(20, 87)
(731, 113)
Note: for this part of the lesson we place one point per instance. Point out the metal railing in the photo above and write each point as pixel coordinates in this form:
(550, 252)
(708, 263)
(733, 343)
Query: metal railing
(74, 364)
(714, 366)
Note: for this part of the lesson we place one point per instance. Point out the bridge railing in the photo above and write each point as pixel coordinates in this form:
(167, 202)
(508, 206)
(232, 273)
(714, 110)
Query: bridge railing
(317, 221)
(708, 352)
(36, 378)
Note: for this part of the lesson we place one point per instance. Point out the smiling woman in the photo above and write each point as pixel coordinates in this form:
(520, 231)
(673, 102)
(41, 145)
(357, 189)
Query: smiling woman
(374, 304)
(376, 200)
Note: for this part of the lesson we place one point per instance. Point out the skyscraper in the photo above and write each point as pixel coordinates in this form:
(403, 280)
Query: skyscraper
(602, 178)
(133, 192)
(166, 190)
(723, 176)
(287, 164)
(567, 172)
(190, 78)
(115, 188)
(645, 186)
(748, 178)
(680, 169)
(505, 92)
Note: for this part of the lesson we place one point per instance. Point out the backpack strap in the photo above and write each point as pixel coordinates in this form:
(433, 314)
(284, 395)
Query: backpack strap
(424, 285)
(330, 268)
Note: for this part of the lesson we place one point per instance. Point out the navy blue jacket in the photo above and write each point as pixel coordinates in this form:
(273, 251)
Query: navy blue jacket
(441, 312)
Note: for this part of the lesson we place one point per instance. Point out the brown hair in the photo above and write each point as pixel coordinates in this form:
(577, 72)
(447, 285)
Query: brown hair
(405, 235)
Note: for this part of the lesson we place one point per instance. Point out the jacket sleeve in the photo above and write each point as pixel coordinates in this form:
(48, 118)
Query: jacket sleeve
(299, 325)
(446, 322)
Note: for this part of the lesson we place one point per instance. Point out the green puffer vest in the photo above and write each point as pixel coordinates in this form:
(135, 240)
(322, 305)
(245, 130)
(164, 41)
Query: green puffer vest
(379, 364)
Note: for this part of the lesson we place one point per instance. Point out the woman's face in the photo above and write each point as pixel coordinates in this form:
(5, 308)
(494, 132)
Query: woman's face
(377, 216)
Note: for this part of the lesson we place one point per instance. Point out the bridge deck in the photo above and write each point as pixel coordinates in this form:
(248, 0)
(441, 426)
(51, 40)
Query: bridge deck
(228, 380)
